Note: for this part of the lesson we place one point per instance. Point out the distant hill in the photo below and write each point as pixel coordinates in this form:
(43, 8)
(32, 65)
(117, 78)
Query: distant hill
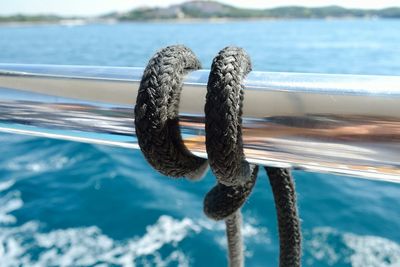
(216, 10)
(211, 9)
(30, 18)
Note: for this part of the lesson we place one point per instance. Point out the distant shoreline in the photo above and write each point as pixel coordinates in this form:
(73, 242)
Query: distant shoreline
(177, 21)
(207, 11)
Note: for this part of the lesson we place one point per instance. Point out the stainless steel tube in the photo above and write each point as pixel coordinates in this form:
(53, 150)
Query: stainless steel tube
(343, 124)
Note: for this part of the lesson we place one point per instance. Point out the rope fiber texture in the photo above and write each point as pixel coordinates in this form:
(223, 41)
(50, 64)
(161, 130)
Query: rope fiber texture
(156, 113)
(223, 111)
(284, 192)
(157, 129)
(224, 144)
(234, 239)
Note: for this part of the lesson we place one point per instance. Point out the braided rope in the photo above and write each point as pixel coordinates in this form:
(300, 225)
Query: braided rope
(283, 188)
(157, 129)
(235, 240)
(223, 109)
(224, 144)
(156, 113)
(236, 177)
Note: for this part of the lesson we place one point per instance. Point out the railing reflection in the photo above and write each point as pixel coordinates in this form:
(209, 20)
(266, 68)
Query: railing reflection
(291, 120)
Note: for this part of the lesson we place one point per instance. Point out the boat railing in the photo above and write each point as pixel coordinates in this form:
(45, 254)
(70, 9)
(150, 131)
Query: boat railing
(344, 124)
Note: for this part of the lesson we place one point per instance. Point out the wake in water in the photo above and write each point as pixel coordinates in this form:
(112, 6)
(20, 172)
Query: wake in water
(28, 245)
(71, 204)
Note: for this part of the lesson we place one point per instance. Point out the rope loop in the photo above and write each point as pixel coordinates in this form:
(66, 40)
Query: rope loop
(236, 177)
(156, 113)
(223, 110)
(224, 144)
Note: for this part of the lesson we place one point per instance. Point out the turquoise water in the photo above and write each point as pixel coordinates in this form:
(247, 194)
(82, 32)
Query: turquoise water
(73, 204)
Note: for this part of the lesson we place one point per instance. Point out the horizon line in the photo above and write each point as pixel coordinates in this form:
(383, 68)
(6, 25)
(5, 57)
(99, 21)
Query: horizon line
(158, 6)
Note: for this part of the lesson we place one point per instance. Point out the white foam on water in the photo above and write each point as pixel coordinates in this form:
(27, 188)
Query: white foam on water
(25, 163)
(167, 230)
(331, 246)
(319, 248)
(28, 245)
(6, 184)
(88, 246)
(372, 251)
(9, 203)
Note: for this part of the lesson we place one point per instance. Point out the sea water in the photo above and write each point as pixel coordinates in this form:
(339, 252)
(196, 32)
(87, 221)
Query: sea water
(74, 204)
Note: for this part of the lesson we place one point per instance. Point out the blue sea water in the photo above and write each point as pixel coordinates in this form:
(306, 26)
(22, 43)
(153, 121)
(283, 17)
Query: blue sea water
(74, 204)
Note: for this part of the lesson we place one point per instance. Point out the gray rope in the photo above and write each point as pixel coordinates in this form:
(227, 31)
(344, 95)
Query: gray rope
(233, 225)
(157, 130)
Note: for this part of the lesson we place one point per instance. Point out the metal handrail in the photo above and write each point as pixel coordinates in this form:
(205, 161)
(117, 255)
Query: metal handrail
(346, 124)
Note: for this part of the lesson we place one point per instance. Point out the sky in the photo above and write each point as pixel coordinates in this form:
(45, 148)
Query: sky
(97, 7)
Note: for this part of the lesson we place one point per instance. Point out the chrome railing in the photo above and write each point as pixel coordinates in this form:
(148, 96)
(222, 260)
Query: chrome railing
(344, 124)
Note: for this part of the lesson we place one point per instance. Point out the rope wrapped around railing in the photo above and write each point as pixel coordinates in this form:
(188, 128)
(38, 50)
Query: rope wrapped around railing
(159, 137)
